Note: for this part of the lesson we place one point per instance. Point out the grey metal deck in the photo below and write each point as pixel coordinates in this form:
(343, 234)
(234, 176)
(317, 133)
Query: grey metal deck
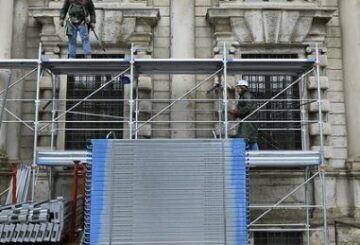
(165, 66)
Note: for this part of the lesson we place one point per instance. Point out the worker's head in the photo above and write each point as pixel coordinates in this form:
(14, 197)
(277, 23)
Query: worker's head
(241, 86)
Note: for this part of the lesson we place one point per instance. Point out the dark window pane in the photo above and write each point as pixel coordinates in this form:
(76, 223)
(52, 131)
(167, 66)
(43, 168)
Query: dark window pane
(110, 109)
(276, 135)
(278, 238)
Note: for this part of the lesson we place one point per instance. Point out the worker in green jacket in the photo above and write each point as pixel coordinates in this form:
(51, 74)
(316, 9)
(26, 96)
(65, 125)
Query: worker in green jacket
(81, 18)
(246, 104)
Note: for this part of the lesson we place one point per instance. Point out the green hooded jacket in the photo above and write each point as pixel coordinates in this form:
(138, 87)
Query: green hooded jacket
(246, 104)
(78, 11)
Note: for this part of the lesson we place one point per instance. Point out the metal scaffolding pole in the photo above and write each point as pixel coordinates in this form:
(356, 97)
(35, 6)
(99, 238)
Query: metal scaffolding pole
(36, 121)
(322, 166)
(272, 98)
(86, 98)
(53, 111)
(3, 107)
(307, 212)
(229, 66)
(137, 109)
(131, 99)
(283, 199)
(180, 98)
(225, 99)
(219, 109)
(303, 104)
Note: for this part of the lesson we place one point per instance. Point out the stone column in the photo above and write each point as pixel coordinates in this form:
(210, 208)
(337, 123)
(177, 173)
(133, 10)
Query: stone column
(18, 52)
(182, 46)
(350, 21)
(50, 41)
(6, 27)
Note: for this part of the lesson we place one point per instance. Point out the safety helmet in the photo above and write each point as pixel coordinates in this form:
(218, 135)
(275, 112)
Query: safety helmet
(242, 82)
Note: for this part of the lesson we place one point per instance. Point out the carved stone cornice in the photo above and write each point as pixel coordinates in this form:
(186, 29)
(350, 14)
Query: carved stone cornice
(115, 25)
(280, 24)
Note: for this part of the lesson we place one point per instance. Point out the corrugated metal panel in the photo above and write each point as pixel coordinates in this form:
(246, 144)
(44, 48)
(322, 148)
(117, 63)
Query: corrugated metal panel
(167, 192)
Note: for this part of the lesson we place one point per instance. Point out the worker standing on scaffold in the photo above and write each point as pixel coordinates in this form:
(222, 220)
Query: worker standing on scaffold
(81, 19)
(246, 104)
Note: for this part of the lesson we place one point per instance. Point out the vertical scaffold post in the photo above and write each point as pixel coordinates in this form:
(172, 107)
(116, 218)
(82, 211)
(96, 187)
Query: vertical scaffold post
(219, 107)
(14, 182)
(136, 109)
(225, 95)
(36, 121)
(74, 200)
(53, 114)
(321, 135)
(303, 103)
(83, 183)
(131, 92)
(307, 211)
(83, 179)
(53, 111)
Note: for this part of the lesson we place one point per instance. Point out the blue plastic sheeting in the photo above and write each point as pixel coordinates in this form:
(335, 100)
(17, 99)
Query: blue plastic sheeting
(167, 192)
(100, 148)
(239, 184)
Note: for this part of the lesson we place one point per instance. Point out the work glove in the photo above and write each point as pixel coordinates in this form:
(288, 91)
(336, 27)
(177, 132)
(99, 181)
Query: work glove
(61, 23)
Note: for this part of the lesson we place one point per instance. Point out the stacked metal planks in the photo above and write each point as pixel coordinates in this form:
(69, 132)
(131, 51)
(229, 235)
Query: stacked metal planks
(167, 192)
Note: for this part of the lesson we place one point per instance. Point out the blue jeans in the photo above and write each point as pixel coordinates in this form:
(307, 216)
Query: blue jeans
(84, 35)
(250, 146)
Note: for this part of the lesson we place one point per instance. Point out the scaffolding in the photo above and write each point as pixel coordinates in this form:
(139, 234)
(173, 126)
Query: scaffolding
(225, 66)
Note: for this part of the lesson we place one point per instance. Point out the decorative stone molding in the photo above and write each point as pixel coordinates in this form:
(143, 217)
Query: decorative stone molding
(261, 24)
(313, 110)
(325, 106)
(116, 24)
(312, 83)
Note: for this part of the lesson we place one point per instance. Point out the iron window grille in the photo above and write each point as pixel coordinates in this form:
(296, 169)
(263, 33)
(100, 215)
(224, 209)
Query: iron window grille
(105, 105)
(286, 107)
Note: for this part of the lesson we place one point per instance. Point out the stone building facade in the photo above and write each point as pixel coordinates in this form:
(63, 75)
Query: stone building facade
(198, 29)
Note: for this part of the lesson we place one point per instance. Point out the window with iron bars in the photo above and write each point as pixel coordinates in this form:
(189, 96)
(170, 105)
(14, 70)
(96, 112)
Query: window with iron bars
(278, 238)
(105, 105)
(286, 107)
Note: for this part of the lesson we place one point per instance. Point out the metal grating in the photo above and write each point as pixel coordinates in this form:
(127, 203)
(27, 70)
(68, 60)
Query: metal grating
(279, 135)
(167, 192)
(106, 106)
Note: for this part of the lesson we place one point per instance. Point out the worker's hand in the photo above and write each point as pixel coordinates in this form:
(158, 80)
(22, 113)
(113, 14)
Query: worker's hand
(61, 23)
(92, 26)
